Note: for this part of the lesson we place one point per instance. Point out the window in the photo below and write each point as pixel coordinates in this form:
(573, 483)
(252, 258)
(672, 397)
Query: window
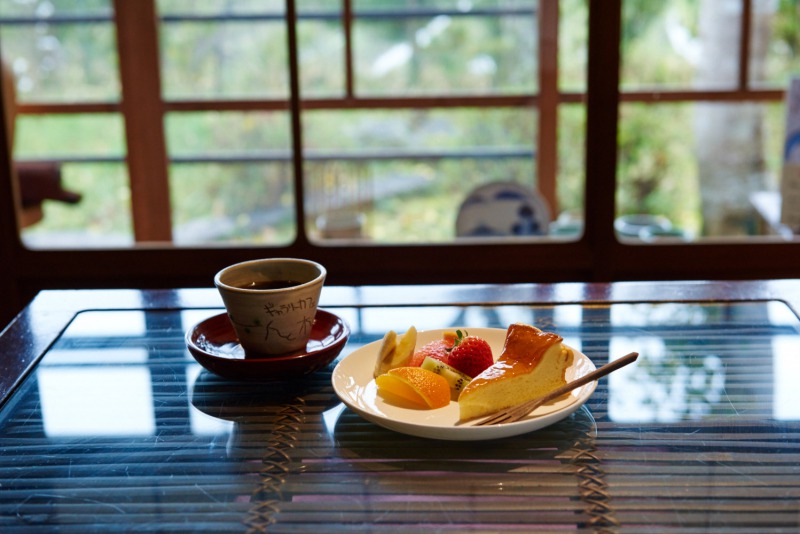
(406, 109)
(703, 119)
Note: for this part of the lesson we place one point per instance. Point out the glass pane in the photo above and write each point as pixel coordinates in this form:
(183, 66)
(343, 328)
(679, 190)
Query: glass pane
(231, 178)
(208, 134)
(232, 203)
(62, 52)
(455, 47)
(102, 217)
(87, 152)
(52, 10)
(693, 170)
(93, 136)
(573, 36)
(321, 54)
(404, 174)
(217, 7)
(680, 44)
(223, 50)
(571, 177)
(775, 43)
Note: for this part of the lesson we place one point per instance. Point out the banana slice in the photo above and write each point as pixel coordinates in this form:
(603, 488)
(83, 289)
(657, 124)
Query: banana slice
(396, 350)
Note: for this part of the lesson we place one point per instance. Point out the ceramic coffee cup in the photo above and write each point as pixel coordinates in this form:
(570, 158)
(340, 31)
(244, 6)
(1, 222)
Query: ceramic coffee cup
(272, 302)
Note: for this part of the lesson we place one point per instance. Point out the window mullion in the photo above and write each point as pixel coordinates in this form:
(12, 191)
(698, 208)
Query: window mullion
(744, 44)
(347, 26)
(602, 106)
(547, 139)
(137, 42)
(295, 100)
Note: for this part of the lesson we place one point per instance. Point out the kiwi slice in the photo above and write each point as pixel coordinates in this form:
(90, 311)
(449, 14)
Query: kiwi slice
(455, 378)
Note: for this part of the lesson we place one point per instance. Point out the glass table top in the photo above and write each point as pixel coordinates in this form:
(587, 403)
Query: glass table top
(119, 428)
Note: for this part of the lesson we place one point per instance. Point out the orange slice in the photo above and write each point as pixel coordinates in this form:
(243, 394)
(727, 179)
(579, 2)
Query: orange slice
(419, 387)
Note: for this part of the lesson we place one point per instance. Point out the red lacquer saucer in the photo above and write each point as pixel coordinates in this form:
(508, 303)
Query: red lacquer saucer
(213, 343)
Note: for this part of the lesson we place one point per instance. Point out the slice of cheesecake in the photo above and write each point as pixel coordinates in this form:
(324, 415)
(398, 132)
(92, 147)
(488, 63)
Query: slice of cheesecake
(532, 364)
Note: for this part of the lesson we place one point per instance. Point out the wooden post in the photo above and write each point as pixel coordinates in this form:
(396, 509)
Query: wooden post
(547, 140)
(10, 244)
(137, 36)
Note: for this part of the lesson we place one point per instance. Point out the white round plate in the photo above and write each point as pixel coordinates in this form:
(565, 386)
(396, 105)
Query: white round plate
(354, 384)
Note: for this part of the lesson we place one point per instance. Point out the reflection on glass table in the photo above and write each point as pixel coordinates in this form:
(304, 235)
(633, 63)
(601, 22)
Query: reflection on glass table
(118, 422)
(100, 378)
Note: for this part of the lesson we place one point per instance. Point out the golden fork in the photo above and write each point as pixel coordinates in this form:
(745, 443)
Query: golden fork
(515, 413)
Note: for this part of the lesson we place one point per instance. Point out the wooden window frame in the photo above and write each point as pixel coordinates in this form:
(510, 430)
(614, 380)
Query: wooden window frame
(596, 256)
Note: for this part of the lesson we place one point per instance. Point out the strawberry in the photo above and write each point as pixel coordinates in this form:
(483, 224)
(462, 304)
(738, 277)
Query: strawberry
(471, 355)
(438, 350)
